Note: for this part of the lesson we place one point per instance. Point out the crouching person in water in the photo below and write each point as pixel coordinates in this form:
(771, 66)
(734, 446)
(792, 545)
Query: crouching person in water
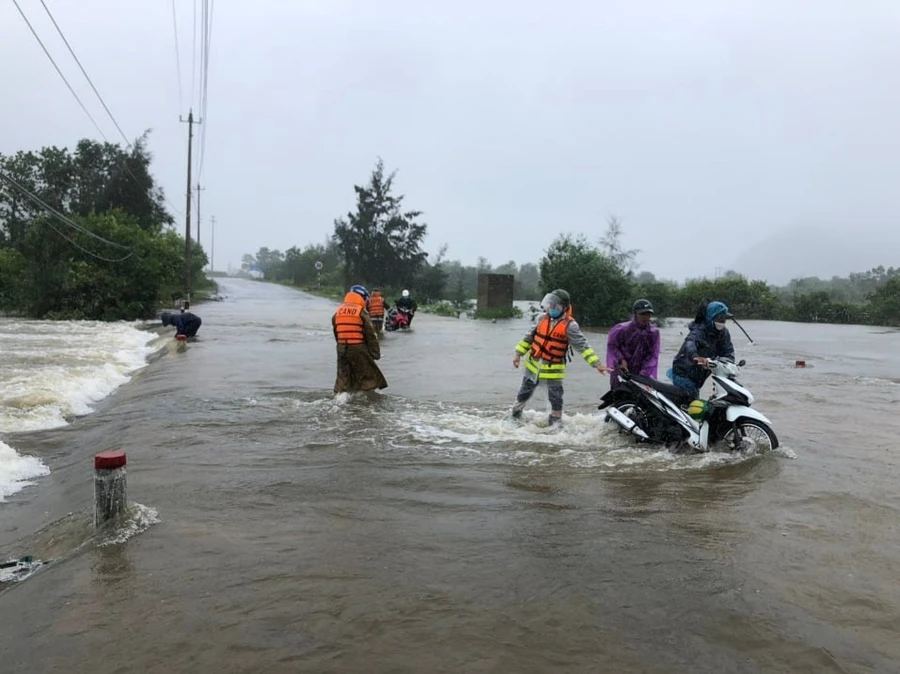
(357, 345)
(184, 323)
(546, 349)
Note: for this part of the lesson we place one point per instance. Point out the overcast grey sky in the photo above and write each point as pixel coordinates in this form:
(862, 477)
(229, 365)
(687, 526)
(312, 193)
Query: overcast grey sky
(708, 127)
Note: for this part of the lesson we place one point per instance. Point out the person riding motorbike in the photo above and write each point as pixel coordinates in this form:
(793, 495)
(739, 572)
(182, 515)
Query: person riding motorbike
(707, 338)
(407, 304)
(546, 349)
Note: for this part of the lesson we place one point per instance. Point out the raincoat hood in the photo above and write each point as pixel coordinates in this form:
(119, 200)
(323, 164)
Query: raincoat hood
(714, 309)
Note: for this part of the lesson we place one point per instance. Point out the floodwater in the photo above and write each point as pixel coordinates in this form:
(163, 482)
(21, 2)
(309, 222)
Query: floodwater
(282, 530)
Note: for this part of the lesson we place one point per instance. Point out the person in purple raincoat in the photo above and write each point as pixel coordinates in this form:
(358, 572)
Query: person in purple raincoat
(633, 346)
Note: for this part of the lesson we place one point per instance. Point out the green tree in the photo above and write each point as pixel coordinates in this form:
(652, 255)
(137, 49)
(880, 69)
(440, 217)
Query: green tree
(432, 278)
(528, 282)
(380, 243)
(611, 244)
(84, 234)
(884, 302)
(599, 288)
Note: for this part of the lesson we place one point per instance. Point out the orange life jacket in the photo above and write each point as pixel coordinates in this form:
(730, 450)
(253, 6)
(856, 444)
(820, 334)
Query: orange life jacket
(549, 344)
(348, 320)
(376, 305)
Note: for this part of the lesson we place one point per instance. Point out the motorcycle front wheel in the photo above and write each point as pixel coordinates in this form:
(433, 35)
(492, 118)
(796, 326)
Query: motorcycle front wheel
(758, 435)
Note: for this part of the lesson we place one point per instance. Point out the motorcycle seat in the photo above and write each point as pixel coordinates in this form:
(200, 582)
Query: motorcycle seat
(676, 394)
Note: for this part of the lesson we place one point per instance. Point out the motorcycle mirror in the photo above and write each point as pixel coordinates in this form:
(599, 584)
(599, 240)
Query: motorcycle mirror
(742, 363)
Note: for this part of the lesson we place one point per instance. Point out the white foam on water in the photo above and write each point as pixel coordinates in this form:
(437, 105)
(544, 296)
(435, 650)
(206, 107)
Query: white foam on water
(51, 371)
(453, 431)
(138, 519)
(584, 441)
(17, 471)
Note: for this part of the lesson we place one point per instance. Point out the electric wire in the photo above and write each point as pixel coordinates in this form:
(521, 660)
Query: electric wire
(63, 218)
(208, 6)
(40, 42)
(177, 55)
(72, 90)
(84, 72)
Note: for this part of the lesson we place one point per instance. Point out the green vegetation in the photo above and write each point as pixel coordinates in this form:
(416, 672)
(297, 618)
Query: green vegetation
(106, 250)
(443, 308)
(603, 285)
(513, 312)
(381, 244)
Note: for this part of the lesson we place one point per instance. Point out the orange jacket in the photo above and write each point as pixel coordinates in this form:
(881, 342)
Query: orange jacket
(551, 345)
(376, 305)
(349, 326)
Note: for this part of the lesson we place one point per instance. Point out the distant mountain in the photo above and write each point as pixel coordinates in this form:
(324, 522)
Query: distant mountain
(814, 252)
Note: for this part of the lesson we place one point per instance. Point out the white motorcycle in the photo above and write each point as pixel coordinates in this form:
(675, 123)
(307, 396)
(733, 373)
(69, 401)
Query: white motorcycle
(661, 413)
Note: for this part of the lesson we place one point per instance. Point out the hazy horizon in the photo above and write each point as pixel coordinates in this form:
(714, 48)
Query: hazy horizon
(711, 131)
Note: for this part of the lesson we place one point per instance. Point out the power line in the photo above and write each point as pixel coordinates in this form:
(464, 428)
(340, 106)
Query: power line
(84, 72)
(194, 57)
(72, 224)
(40, 42)
(85, 250)
(99, 97)
(63, 218)
(177, 54)
(87, 77)
(208, 6)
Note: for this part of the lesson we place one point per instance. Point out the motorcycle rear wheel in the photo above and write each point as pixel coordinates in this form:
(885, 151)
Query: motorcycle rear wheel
(633, 411)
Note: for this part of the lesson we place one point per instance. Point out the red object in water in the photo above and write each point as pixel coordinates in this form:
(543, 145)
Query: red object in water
(181, 338)
(800, 363)
(115, 458)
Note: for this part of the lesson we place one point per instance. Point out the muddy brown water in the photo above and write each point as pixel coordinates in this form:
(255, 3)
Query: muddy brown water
(416, 531)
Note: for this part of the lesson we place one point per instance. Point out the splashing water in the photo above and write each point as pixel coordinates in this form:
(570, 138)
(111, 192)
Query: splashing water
(457, 432)
(51, 371)
(137, 519)
(17, 471)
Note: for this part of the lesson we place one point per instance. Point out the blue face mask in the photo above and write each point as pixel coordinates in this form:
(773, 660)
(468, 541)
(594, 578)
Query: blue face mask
(555, 312)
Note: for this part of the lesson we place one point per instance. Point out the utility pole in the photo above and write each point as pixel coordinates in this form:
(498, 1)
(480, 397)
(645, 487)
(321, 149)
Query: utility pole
(199, 189)
(186, 304)
(212, 258)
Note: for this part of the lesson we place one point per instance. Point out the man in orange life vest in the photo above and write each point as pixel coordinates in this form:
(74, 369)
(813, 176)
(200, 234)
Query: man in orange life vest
(376, 309)
(546, 349)
(357, 345)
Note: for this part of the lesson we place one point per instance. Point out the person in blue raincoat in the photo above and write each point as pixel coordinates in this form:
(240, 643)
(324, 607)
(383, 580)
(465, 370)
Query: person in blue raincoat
(707, 338)
(184, 323)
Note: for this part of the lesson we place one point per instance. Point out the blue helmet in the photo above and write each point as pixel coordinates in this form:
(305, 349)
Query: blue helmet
(361, 291)
(715, 309)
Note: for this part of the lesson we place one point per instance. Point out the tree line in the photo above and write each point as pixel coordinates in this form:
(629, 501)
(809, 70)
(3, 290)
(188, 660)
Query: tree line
(84, 234)
(603, 282)
(380, 243)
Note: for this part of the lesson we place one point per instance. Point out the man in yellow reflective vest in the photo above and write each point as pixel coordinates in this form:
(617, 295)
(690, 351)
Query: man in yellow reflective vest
(546, 349)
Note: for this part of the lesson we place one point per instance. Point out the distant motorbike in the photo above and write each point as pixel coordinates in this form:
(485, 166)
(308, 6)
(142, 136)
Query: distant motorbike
(397, 319)
(661, 413)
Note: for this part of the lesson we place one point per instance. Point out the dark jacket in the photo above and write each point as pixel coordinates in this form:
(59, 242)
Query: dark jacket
(705, 341)
(407, 303)
(184, 323)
